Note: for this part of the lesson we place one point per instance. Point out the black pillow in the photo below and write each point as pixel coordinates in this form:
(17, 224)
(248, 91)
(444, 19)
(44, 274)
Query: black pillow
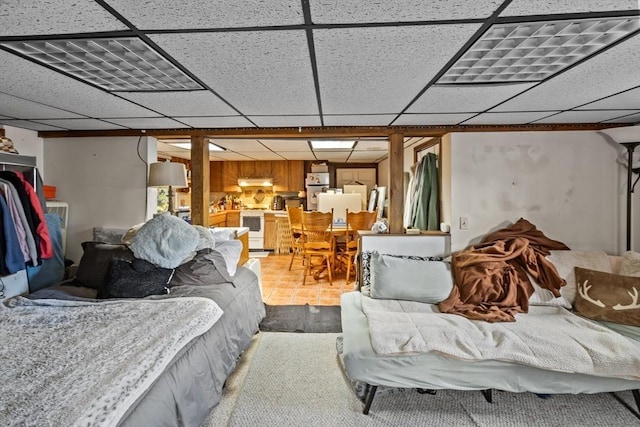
(208, 267)
(135, 279)
(96, 261)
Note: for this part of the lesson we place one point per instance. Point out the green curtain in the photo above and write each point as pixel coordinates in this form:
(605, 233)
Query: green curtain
(426, 215)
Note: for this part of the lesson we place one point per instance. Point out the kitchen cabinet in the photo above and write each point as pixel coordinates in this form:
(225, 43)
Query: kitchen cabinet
(247, 170)
(216, 177)
(270, 231)
(230, 176)
(233, 218)
(218, 219)
(288, 175)
(262, 169)
(295, 171)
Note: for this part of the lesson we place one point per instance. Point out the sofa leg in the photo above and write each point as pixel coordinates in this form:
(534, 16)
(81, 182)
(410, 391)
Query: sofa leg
(369, 398)
(488, 395)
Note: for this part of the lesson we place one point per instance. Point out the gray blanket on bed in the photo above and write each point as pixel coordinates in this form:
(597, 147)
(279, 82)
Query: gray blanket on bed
(101, 356)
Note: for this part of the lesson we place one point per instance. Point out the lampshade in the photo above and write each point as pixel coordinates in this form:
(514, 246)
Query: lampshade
(165, 174)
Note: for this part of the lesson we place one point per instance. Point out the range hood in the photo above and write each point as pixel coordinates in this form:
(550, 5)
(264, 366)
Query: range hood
(255, 182)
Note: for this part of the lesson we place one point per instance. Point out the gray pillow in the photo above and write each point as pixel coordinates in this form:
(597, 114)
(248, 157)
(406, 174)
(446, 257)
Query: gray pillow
(409, 279)
(208, 267)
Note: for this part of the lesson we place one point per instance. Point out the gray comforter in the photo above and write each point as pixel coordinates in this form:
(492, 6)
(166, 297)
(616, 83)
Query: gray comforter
(192, 383)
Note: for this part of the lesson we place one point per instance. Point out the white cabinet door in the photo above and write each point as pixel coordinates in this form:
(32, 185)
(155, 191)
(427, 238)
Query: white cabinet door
(366, 176)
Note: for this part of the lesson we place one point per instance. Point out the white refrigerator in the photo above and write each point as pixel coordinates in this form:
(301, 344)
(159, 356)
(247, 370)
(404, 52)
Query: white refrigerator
(316, 183)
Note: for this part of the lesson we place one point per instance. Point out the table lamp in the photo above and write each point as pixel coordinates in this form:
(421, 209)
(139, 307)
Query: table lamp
(168, 174)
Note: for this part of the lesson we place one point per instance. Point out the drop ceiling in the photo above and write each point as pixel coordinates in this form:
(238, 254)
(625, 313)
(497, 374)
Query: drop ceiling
(311, 63)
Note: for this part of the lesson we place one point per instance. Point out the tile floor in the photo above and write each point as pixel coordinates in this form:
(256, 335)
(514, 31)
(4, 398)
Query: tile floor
(281, 286)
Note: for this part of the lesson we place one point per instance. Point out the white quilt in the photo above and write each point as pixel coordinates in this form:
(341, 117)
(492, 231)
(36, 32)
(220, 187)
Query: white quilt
(549, 338)
(70, 363)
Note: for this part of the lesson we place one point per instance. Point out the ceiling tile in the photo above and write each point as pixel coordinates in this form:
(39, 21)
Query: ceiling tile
(260, 72)
(633, 118)
(228, 156)
(358, 120)
(82, 124)
(589, 81)
(460, 99)
(33, 17)
(285, 121)
(240, 144)
(333, 156)
(149, 123)
(297, 155)
(22, 108)
(24, 124)
(216, 122)
(585, 116)
(287, 145)
(327, 12)
(172, 14)
(27, 80)
(431, 119)
(544, 7)
(367, 156)
(263, 155)
(508, 118)
(626, 100)
(372, 145)
(380, 70)
(193, 103)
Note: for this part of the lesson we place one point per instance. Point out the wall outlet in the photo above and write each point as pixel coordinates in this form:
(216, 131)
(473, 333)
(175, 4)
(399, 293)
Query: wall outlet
(464, 223)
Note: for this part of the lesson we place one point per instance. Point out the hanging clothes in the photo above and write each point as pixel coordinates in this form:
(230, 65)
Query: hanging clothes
(13, 259)
(426, 210)
(46, 248)
(7, 191)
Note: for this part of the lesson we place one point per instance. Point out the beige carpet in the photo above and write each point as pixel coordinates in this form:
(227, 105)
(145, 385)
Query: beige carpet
(289, 379)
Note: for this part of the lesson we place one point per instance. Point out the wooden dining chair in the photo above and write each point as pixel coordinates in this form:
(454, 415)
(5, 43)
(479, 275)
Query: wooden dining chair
(363, 220)
(317, 241)
(294, 216)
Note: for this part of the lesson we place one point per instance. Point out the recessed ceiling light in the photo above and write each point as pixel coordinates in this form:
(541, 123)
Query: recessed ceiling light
(530, 52)
(331, 145)
(118, 64)
(187, 145)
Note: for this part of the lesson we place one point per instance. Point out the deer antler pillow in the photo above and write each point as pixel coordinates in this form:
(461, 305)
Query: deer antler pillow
(609, 297)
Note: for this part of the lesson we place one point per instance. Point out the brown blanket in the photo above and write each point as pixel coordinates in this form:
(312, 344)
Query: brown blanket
(490, 279)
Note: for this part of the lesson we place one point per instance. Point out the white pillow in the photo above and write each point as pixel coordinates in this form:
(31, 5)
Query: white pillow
(409, 279)
(230, 250)
(222, 234)
(565, 261)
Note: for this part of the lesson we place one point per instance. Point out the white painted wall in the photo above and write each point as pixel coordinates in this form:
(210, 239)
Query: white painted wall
(566, 183)
(103, 180)
(27, 143)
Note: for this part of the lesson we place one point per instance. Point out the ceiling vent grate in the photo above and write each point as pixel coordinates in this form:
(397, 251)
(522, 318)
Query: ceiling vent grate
(115, 64)
(531, 52)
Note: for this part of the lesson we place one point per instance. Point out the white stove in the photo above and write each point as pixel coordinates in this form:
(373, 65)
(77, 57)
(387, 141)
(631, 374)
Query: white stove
(254, 219)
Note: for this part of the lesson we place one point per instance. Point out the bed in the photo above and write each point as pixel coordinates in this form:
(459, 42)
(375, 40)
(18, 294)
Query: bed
(409, 362)
(203, 325)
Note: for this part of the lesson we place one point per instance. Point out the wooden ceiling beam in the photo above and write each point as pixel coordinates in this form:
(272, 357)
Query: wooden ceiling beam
(327, 131)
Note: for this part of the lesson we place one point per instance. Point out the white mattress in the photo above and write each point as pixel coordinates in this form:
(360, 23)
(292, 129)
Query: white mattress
(434, 371)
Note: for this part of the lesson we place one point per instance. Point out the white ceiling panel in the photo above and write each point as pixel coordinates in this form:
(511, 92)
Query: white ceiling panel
(277, 145)
(633, 118)
(285, 121)
(263, 155)
(326, 12)
(432, 119)
(28, 125)
(585, 116)
(372, 145)
(27, 80)
(22, 108)
(380, 70)
(194, 103)
(205, 14)
(333, 156)
(26, 17)
(82, 124)
(149, 123)
(240, 144)
(358, 120)
(367, 156)
(262, 72)
(226, 155)
(544, 7)
(461, 99)
(508, 118)
(625, 100)
(297, 155)
(216, 122)
(603, 75)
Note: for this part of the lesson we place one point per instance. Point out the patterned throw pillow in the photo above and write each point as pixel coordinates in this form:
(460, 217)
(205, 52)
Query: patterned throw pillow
(605, 296)
(630, 264)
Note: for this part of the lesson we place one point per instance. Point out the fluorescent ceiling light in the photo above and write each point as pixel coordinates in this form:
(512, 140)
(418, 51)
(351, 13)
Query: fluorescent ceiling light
(187, 145)
(118, 64)
(331, 145)
(530, 52)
